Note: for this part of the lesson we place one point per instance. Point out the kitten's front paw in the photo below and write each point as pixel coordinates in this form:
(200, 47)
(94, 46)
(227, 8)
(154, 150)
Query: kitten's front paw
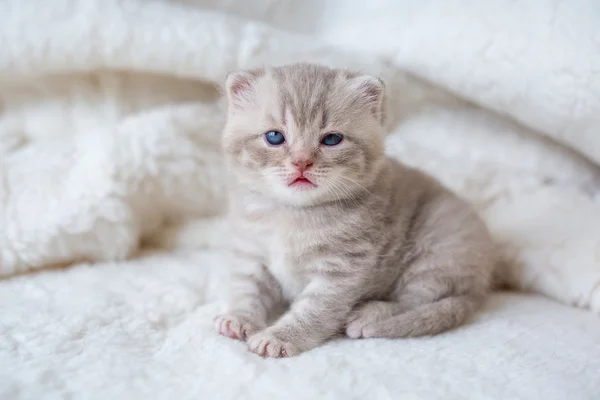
(265, 344)
(236, 327)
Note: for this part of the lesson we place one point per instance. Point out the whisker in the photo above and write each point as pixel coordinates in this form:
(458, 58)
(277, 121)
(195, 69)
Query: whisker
(356, 202)
(361, 186)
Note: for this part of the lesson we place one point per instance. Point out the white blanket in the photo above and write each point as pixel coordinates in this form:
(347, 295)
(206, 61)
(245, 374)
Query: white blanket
(109, 129)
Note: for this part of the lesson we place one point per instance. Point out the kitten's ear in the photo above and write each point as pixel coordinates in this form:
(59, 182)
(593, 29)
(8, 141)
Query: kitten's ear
(239, 85)
(372, 89)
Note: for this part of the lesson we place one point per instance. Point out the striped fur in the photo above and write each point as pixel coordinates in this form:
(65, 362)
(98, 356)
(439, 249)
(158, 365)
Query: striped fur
(377, 249)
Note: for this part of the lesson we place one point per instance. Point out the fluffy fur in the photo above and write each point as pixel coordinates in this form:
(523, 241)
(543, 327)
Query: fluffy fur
(373, 247)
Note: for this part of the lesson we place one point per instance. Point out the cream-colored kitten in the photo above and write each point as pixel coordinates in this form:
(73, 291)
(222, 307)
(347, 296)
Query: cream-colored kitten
(323, 220)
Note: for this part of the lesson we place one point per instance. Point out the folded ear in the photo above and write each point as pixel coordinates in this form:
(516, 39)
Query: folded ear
(372, 90)
(239, 85)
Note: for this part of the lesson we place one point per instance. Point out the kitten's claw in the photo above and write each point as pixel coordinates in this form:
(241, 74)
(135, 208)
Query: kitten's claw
(235, 327)
(266, 345)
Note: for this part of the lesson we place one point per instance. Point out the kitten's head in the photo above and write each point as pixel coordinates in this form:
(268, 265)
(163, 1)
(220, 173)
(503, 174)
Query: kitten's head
(304, 134)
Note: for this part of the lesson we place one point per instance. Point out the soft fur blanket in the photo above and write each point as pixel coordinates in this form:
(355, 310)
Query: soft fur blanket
(109, 141)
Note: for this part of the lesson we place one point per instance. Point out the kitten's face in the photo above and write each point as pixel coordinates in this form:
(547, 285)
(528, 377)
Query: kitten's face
(304, 134)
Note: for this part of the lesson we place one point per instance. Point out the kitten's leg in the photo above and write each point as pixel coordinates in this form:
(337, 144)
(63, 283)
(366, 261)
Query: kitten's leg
(450, 273)
(428, 319)
(393, 320)
(315, 316)
(429, 303)
(253, 294)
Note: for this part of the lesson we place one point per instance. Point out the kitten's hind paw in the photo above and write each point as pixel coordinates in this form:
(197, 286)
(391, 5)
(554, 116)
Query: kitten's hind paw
(267, 345)
(236, 327)
(360, 328)
(362, 319)
(354, 330)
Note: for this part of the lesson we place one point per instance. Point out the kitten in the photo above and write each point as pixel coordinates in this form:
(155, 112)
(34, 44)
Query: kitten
(323, 220)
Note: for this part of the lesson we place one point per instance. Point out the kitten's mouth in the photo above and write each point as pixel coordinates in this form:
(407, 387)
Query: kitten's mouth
(302, 183)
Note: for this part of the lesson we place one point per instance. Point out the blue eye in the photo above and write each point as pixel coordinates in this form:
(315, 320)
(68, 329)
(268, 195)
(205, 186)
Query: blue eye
(332, 139)
(275, 138)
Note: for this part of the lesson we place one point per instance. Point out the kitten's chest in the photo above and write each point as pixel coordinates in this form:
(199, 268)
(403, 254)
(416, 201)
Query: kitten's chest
(289, 256)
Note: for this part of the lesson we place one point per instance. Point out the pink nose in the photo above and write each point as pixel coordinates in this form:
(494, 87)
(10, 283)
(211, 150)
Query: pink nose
(302, 164)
